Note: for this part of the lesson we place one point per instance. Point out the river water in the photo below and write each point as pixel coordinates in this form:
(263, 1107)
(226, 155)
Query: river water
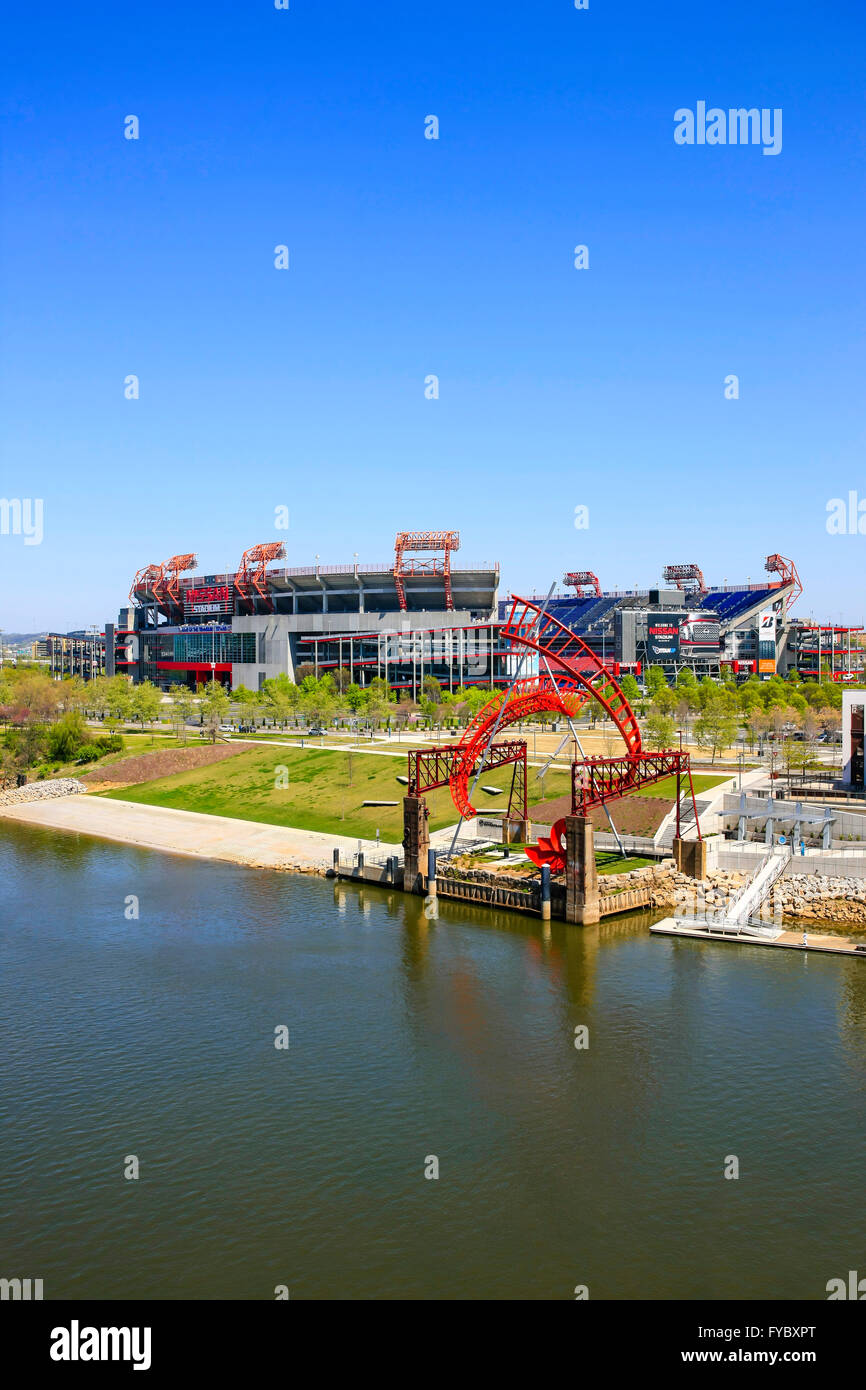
(408, 1039)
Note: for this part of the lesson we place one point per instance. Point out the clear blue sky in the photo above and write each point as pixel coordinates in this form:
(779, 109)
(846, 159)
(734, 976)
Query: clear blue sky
(409, 257)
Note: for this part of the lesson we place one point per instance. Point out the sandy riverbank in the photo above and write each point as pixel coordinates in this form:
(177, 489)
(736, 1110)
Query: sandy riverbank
(251, 843)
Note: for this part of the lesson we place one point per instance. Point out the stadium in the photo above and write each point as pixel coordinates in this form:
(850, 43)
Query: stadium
(426, 613)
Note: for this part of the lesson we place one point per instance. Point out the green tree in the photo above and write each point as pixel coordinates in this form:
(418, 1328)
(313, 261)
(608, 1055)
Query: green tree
(146, 700)
(715, 727)
(659, 729)
(67, 736)
(118, 699)
(182, 706)
(431, 690)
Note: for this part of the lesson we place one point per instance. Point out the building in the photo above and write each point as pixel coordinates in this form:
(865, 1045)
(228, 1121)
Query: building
(81, 653)
(853, 704)
(711, 629)
(741, 628)
(400, 621)
(424, 615)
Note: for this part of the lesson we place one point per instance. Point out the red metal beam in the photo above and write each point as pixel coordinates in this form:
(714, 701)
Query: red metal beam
(584, 579)
(434, 767)
(777, 564)
(251, 578)
(597, 780)
(424, 541)
(685, 576)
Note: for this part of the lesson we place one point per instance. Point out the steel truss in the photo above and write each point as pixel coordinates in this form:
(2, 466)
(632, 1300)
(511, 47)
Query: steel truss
(430, 768)
(446, 541)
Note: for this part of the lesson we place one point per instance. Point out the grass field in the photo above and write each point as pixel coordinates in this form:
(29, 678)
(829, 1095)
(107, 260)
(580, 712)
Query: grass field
(615, 864)
(318, 794)
(703, 782)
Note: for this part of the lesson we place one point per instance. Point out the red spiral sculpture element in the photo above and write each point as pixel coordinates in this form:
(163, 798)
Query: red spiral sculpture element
(570, 674)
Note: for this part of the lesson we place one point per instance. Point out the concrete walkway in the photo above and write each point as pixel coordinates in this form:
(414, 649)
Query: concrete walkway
(189, 832)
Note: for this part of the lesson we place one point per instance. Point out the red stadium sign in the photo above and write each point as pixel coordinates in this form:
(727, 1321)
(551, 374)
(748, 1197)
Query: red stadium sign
(217, 598)
(219, 593)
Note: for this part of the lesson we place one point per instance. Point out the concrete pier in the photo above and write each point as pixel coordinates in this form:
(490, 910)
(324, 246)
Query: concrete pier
(416, 843)
(690, 857)
(581, 877)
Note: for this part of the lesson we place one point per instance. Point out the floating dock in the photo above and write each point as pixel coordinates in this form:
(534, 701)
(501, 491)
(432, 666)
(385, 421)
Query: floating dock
(791, 940)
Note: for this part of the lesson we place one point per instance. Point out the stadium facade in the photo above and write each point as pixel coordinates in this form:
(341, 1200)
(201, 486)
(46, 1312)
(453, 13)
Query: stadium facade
(401, 621)
(422, 615)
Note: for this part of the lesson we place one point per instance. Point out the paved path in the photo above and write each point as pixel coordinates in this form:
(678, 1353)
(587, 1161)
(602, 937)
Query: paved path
(190, 832)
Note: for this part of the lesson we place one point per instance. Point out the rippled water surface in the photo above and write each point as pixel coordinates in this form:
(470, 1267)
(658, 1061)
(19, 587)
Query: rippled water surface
(558, 1167)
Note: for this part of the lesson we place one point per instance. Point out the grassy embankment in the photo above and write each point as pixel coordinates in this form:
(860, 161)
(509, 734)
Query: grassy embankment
(325, 792)
(703, 782)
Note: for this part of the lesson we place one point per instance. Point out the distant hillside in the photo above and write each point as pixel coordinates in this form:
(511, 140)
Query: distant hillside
(20, 639)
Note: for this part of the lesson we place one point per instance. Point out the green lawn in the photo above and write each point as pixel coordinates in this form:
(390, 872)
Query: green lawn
(318, 795)
(608, 863)
(667, 787)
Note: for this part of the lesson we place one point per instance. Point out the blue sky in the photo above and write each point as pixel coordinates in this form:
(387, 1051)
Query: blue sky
(409, 257)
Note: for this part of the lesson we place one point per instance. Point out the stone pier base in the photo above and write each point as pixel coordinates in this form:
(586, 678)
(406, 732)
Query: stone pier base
(516, 832)
(690, 857)
(416, 842)
(581, 879)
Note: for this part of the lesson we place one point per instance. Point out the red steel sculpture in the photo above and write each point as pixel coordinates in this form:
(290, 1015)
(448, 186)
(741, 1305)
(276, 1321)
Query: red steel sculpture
(430, 768)
(571, 674)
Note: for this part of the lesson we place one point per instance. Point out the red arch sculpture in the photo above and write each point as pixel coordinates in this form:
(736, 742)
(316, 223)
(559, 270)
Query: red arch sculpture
(571, 674)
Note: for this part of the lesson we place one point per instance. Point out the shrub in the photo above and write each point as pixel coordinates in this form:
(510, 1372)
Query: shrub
(67, 737)
(109, 743)
(89, 753)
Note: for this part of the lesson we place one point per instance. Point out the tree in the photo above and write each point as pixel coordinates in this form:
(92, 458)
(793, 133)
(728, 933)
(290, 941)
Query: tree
(317, 700)
(118, 699)
(97, 696)
(182, 705)
(431, 690)
(214, 705)
(145, 703)
(630, 688)
(281, 697)
(67, 736)
(659, 730)
(716, 727)
(377, 711)
(758, 725)
(655, 680)
(665, 700)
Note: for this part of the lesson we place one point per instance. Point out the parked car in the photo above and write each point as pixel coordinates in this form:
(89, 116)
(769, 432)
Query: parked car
(317, 731)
